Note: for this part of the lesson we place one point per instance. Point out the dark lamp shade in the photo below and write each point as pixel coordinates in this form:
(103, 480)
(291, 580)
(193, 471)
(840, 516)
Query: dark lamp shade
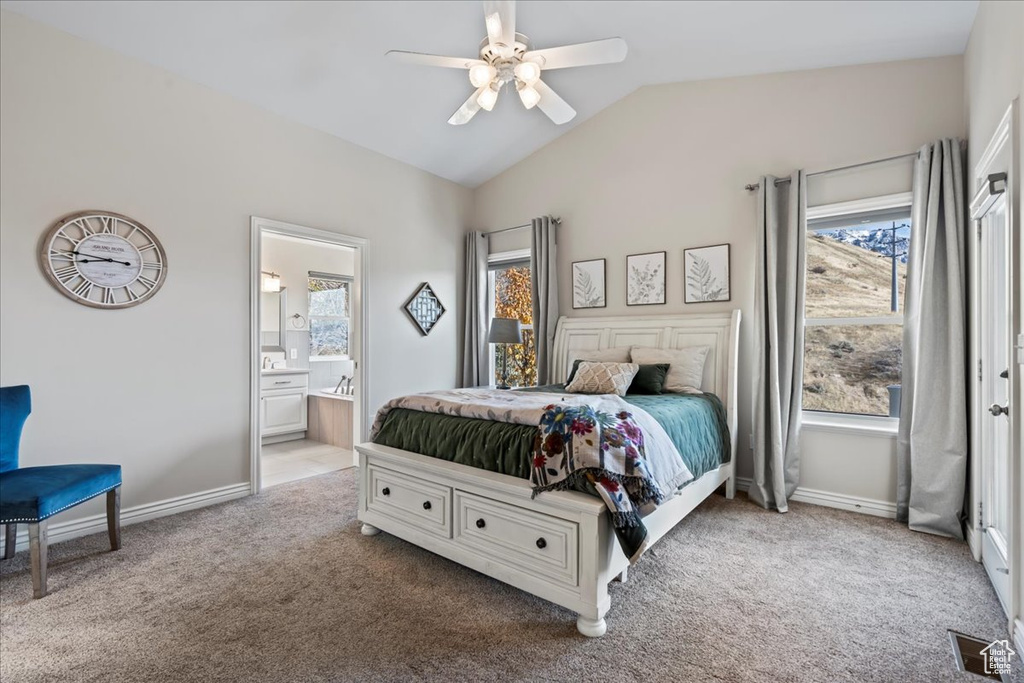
(505, 331)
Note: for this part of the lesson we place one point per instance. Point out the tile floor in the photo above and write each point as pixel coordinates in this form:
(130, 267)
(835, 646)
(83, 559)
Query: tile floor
(292, 460)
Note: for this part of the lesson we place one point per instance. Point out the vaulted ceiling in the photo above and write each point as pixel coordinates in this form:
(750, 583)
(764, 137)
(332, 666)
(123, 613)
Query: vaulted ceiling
(322, 63)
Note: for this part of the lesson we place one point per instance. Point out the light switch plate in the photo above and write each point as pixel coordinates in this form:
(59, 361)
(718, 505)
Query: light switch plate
(293, 353)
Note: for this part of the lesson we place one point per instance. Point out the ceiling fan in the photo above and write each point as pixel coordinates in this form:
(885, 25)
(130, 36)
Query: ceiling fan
(506, 57)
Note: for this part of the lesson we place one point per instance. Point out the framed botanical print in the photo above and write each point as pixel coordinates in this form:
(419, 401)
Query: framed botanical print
(588, 284)
(645, 279)
(706, 274)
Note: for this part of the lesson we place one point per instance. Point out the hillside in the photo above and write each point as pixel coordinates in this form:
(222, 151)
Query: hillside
(847, 368)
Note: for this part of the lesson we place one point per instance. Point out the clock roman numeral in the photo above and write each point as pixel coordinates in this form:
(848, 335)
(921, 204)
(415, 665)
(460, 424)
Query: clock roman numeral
(132, 296)
(156, 265)
(109, 225)
(148, 247)
(108, 295)
(150, 284)
(56, 255)
(83, 225)
(84, 289)
(66, 273)
(63, 234)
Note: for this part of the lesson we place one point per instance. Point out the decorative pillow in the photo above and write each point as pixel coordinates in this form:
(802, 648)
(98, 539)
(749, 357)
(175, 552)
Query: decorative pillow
(686, 366)
(650, 379)
(602, 378)
(618, 354)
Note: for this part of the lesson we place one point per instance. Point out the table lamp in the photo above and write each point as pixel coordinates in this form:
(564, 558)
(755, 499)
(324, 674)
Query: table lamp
(505, 331)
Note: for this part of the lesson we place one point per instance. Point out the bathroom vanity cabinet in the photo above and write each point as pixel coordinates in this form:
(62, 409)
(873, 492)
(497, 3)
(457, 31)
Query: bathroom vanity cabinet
(283, 404)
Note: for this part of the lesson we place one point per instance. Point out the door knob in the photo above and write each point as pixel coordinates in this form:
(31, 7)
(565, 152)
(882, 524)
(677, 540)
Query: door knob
(998, 410)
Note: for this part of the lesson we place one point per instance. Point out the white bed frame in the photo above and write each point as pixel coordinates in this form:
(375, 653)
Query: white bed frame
(558, 546)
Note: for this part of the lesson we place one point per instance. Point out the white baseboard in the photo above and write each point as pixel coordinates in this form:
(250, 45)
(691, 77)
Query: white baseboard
(64, 531)
(841, 501)
(1018, 636)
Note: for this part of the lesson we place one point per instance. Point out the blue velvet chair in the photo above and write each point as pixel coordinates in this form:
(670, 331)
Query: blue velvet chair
(30, 495)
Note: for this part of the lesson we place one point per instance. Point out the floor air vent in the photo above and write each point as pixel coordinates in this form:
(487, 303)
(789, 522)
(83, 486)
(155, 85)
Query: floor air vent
(981, 657)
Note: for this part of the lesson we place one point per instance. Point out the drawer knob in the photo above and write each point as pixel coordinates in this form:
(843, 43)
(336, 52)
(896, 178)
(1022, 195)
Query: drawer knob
(426, 505)
(386, 491)
(480, 523)
(541, 543)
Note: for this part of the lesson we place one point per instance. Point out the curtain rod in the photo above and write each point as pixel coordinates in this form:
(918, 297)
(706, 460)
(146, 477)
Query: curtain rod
(556, 221)
(779, 181)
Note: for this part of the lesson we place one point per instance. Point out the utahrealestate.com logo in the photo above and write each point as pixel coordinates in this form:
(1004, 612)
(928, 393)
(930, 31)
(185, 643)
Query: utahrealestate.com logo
(998, 657)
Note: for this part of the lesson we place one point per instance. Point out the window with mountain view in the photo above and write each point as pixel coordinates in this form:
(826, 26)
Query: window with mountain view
(856, 280)
(510, 286)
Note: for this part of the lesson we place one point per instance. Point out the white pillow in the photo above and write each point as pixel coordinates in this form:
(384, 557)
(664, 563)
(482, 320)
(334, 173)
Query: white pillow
(618, 354)
(602, 378)
(686, 366)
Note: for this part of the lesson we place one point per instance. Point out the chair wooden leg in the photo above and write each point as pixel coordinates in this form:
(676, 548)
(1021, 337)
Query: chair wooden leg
(37, 550)
(10, 539)
(114, 517)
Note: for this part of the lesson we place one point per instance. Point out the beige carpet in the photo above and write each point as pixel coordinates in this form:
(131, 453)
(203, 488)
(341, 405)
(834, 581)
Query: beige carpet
(282, 587)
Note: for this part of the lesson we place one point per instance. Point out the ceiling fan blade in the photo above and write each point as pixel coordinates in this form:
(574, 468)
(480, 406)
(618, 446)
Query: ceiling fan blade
(500, 18)
(468, 109)
(433, 60)
(607, 51)
(557, 109)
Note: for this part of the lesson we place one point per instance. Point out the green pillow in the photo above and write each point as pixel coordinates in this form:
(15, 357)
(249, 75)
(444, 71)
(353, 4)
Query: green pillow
(649, 379)
(572, 373)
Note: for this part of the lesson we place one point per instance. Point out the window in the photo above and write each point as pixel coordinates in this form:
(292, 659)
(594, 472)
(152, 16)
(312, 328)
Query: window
(329, 313)
(510, 286)
(856, 282)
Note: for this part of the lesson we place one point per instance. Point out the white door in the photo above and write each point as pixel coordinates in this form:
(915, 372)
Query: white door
(996, 366)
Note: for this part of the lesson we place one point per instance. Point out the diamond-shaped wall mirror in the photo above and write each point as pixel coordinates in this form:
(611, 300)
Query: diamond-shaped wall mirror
(424, 308)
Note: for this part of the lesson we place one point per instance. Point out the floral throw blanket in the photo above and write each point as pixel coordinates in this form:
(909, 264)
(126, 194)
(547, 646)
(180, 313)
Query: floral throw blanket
(579, 446)
(594, 443)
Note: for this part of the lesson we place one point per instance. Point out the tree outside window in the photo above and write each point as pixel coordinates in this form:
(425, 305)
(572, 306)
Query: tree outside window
(512, 299)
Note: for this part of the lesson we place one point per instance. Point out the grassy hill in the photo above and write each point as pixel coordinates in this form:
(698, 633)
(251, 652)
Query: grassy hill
(847, 368)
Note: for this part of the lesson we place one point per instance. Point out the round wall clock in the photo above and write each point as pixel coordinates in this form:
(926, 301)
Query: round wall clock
(103, 259)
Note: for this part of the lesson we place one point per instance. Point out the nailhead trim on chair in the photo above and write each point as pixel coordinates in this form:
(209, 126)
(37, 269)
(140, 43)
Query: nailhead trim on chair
(69, 505)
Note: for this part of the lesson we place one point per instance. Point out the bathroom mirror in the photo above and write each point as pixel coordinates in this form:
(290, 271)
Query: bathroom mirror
(272, 320)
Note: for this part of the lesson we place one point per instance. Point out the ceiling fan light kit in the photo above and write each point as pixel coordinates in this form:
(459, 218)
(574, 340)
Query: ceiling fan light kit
(528, 95)
(506, 57)
(481, 74)
(488, 97)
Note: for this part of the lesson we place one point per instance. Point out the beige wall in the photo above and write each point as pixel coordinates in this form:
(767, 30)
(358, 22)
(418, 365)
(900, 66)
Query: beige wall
(84, 127)
(293, 259)
(994, 76)
(664, 169)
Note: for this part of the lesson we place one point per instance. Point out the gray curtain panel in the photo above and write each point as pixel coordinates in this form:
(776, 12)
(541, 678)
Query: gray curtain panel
(474, 340)
(931, 450)
(779, 332)
(545, 294)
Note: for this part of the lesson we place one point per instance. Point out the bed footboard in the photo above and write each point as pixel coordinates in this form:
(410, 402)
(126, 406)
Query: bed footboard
(558, 546)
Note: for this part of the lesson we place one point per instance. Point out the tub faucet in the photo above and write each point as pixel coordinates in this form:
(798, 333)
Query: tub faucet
(266, 362)
(337, 389)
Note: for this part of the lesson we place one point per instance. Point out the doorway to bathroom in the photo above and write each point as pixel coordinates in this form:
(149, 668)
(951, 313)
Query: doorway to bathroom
(308, 351)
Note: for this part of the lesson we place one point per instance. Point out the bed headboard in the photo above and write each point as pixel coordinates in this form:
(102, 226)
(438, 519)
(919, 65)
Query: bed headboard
(720, 331)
